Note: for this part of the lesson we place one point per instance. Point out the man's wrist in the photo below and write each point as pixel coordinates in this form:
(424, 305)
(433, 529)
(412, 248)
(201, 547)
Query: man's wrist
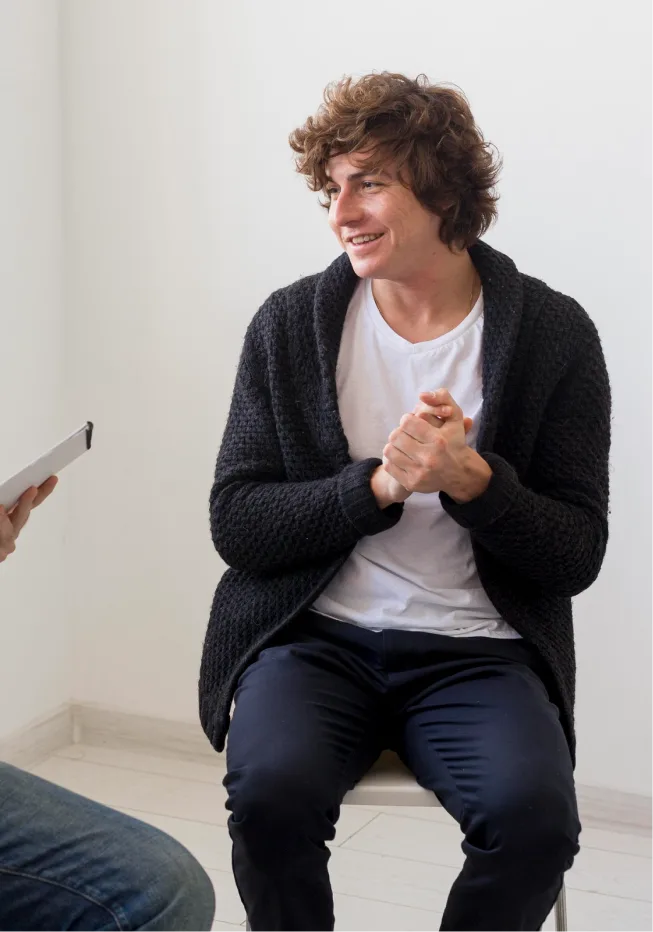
(381, 482)
(473, 481)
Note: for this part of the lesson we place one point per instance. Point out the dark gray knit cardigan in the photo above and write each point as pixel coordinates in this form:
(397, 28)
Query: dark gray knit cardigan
(288, 504)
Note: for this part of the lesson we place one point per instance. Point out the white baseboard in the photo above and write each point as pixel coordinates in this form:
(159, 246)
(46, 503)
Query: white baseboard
(599, 807)
(614, 810)
(103, 727)
(38, 740)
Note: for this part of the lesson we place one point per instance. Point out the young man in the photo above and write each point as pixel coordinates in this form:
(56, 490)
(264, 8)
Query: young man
(412, 483)
(69, 863)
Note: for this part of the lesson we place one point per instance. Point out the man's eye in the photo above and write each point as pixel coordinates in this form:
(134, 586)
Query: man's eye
(370, 184)
(331, 192)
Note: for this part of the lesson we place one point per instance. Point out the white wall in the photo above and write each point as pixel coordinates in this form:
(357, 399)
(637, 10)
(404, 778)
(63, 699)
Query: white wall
(34, 626)
(146, 330)
(183, 213)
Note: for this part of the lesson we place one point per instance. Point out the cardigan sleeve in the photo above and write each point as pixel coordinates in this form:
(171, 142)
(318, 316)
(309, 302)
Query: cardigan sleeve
(554, 529)
(260, 521)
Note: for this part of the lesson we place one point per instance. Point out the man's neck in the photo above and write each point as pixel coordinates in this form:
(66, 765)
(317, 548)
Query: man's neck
(425, 306)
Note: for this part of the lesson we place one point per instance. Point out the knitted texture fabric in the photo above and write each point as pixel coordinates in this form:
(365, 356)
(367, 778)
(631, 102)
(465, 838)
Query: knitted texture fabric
(288, 505)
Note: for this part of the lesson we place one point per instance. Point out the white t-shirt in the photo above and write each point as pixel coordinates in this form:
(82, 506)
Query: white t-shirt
(421, 574)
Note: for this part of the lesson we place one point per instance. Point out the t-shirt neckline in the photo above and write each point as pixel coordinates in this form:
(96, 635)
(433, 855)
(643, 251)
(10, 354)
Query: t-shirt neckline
(400, 343)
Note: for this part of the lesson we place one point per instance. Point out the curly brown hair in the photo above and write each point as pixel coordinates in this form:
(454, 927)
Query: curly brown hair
(426, 129)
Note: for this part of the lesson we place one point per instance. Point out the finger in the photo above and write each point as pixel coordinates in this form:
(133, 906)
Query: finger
(6, 531)
(433, 414)
(396, 472)
(20, 513)
(442, 397)
(20, 518)
(394, 457)
(28, 496)
(467, 424)
(417, 428)
(399, 471)
(436, 417)
(417, 451)
(44, 491)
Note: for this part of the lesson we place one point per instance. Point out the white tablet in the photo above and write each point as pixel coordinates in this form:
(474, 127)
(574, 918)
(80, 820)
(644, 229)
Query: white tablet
(47, 465)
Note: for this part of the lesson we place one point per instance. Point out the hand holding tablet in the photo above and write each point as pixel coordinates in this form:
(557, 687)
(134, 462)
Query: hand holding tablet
(51, 463)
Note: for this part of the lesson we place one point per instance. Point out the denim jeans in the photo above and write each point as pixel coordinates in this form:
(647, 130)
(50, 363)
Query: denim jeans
(69, 863)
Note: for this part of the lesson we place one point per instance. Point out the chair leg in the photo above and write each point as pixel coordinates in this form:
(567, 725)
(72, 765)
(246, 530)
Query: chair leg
(560, 910)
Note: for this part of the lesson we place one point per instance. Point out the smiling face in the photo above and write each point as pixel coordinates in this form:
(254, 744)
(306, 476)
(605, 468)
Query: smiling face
(379, 222)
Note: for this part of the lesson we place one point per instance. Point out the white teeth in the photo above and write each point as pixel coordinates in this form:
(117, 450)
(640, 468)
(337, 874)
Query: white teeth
(357, 240)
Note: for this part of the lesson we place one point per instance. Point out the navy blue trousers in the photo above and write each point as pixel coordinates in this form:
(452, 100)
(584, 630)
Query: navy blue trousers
(470, 717)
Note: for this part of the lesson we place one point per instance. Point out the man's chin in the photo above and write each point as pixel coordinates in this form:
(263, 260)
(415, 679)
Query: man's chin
(367, 268)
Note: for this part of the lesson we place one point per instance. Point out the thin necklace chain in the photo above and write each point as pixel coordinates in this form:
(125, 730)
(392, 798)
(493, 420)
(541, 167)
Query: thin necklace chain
(473, 291)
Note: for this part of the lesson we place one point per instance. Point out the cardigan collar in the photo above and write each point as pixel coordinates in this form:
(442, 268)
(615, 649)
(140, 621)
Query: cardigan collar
(502, 303)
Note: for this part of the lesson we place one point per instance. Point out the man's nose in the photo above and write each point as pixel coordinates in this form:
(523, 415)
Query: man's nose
(346, 210)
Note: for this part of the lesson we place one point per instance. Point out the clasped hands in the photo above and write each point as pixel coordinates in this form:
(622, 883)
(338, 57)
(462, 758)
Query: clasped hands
(428, 452)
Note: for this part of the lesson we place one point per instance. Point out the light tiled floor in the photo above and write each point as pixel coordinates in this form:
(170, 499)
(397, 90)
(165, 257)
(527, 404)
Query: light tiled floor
(391, 869)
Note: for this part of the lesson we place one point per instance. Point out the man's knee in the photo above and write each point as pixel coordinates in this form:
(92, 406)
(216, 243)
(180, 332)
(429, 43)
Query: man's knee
(264, 798)
(532, 830)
